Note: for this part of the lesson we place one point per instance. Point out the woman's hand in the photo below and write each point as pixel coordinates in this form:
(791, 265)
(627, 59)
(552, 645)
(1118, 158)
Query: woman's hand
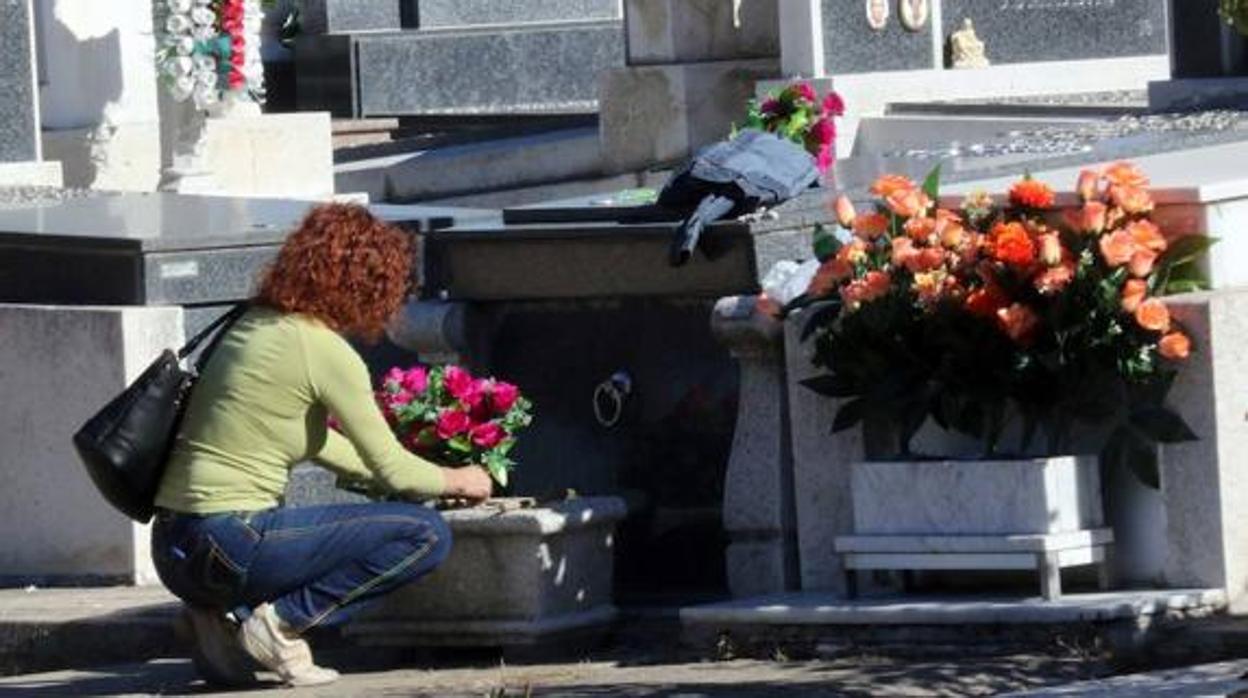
(470, 482)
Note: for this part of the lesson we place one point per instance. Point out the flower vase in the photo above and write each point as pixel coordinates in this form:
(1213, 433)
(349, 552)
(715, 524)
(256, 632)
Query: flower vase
(1043, 514)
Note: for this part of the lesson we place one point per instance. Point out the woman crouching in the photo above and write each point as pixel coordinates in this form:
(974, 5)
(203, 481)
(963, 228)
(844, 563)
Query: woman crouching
(255, 575)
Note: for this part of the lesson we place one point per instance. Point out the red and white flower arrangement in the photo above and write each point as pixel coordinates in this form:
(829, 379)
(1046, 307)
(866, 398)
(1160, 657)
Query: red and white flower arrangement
(798, 113)
(449, 416)
(209, 50)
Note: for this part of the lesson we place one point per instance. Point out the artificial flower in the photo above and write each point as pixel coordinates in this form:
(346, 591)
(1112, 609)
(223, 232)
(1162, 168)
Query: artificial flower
(1030, 193)
(1153, 315)
(1175, 345)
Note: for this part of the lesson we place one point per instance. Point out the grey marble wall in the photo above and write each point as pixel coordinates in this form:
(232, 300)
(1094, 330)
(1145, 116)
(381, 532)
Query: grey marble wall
(454, 13)
(19, 116)
(852, 46)
(1022, 31)
(332, 16)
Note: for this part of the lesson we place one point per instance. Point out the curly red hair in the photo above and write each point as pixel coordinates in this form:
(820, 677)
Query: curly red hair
(343, 267)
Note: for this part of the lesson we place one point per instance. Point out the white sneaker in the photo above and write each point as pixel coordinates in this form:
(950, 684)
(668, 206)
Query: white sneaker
(219, 658)
(280, 650)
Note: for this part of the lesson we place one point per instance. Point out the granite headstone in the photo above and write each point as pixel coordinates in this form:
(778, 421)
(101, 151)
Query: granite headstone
(550, 68)
(19, 121)
(1024, 31)
(1202, 45)
(336, 16)
(852, 46)
(460, 13)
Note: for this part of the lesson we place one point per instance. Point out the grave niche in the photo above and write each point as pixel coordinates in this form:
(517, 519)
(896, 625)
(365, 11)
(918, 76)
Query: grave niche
(1024, 31)
(1204, 45)
(851, 45)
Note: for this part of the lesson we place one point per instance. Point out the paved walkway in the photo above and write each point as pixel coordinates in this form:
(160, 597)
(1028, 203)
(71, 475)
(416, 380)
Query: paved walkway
(117, 628)
(738, 678)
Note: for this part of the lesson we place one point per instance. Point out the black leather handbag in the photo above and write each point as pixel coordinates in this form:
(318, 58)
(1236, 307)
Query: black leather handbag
(126, 444)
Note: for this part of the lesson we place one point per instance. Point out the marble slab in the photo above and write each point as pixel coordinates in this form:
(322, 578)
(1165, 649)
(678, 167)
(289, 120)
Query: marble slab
(821, 608)
(852, 46)
(1025, 31)
(156, 248)
(540, 68)
(458, 13)
(19, 111)
(974, 544)
(335, 16)
(1036, 496)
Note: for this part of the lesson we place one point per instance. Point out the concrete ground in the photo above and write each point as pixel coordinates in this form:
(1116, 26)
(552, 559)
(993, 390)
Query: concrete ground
(119, 641)
(860, 676)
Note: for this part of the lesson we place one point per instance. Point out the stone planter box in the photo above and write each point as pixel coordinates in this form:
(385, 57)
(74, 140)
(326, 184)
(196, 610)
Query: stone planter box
(513, 578)
(1037, 513)
(998, 497)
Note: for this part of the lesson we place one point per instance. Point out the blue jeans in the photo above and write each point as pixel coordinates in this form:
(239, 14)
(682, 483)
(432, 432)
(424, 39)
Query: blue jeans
(316, 565)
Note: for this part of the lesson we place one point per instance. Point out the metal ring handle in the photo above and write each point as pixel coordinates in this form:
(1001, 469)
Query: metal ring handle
(608, 393)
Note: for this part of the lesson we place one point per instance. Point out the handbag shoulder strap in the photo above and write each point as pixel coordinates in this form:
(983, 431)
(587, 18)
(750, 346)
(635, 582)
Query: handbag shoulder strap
(219, 326)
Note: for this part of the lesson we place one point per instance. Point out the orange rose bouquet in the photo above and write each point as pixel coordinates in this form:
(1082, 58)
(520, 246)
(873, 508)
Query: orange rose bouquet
(1005, 310)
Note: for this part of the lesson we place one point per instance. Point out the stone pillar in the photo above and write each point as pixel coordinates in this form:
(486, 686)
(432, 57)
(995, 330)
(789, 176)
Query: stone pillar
(99, 93)
(692, 65)
(758, 487)
(233, 149)
(801, 38)
(98, 96)
(65, 363)
(1204, 484)
(20, 150)
(821, 461)
(443, 332)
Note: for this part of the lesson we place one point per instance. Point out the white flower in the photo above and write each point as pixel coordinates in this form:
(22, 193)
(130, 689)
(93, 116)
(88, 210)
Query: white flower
(205, 95)
(182, 88)
(177, 24)
(788, 280)
(178, 67)
(205, 64)
(206, 78)
(203, 16)
(178, 5)
(185, 46)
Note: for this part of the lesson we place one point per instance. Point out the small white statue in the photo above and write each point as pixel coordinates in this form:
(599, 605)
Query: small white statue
(967, 49)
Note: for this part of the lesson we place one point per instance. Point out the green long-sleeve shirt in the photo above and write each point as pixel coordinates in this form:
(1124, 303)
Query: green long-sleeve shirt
(260, 407)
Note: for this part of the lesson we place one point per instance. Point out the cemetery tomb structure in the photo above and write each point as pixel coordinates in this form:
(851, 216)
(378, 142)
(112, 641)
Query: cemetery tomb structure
(389, 58)
(94, 287)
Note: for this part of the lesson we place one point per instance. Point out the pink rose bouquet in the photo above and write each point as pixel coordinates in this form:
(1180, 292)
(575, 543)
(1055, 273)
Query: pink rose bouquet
(449, 416)
(799, 114)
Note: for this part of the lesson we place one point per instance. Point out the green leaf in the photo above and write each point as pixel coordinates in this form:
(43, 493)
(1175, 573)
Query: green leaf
(822, 316)
(1129, 450)
(1162, 425)
(1187, 277)
(1187, 248)
(1175, 288)
(826, 245)
(850, 414)
(931, 184)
